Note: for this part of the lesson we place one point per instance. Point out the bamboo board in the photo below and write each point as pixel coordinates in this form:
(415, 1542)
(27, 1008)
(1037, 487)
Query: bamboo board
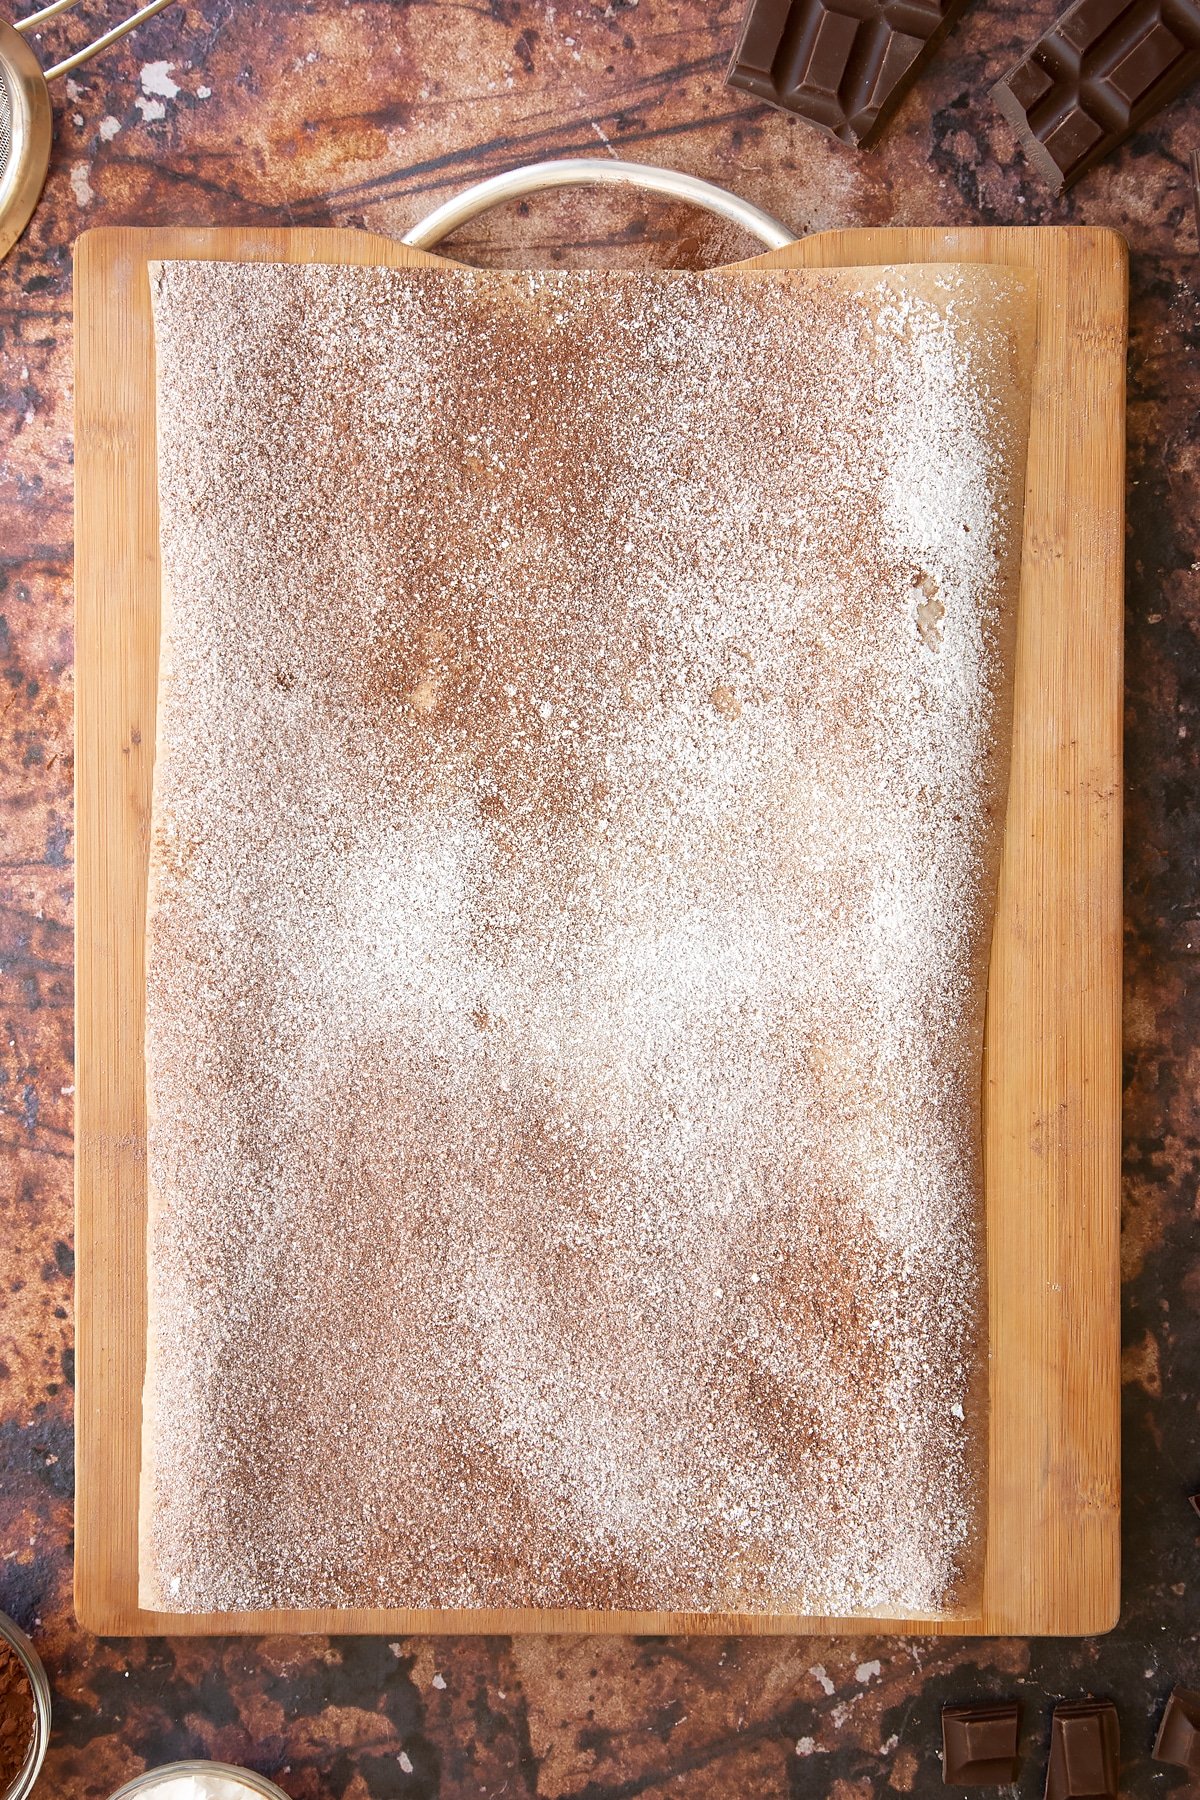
(1052, 1057)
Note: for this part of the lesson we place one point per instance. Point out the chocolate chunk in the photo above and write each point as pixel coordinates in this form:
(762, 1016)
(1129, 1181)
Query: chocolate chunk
(844, 65)
(979, 1744)
(1178, 1739)
(1101, 70)
(1085, 1751)
(1194, 1499)
(1195, 168)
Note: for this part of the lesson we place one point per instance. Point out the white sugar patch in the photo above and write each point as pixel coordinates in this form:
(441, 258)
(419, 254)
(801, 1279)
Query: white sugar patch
(156, 79)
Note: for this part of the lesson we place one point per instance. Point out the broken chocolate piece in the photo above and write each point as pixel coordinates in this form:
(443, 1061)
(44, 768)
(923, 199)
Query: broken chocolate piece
(1178, 1739)
(1195, 168)
(1085, 1750)
(844, 65)
(1101, 70)
(979, 1744)
(1194, 1499)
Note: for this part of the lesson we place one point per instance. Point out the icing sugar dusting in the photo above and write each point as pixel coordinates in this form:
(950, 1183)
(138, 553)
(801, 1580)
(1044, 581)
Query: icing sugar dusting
(581, 752)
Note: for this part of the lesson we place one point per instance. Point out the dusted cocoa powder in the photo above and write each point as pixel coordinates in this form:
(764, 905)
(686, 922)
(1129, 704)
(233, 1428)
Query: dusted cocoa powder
(580, 763)
(16, 1716)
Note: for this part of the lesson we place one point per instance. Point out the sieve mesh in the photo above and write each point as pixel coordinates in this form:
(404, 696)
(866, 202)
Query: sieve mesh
(5, 122)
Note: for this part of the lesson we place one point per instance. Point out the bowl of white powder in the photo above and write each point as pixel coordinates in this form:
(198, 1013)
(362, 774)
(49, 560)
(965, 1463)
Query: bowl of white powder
(199, 1781)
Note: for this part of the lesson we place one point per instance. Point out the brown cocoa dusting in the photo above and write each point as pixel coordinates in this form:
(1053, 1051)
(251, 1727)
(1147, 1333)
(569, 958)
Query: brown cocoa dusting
(16, 1716)
(539, 1114)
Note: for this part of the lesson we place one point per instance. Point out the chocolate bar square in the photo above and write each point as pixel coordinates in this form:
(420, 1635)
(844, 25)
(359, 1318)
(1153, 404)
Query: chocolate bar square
(1178, 1739)
(979, 1744)
(1102, 69)
(843, 65)
(1085, 1749)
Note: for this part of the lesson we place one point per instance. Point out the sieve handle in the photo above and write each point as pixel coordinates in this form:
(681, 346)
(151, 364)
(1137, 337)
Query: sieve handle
(33, 21)
(594, 171)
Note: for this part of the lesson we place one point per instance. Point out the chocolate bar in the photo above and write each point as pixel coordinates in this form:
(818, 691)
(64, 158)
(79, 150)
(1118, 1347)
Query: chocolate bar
(1085, 1752)
(844, 65)
(1101, 70)
(979, 1744)
(1178, 1739)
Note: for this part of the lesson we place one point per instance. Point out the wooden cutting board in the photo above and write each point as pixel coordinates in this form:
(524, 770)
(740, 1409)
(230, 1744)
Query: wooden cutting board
(1052, 1092)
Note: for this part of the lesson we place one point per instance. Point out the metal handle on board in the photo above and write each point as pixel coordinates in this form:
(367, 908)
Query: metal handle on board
(599, 171)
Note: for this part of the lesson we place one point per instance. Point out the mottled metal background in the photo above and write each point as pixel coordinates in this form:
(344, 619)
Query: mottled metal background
(366, 114)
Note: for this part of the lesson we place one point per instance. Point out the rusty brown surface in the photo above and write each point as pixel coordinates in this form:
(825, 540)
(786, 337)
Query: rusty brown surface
(368, 114)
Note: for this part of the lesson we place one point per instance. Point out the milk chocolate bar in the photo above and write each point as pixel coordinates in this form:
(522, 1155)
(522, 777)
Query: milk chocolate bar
(840, 64)
(979, 1744)
(1102, 69)
(1085, 1752)
(1178, 1739)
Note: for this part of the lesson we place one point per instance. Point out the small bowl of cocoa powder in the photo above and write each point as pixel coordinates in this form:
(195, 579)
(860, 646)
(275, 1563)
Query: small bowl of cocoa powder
(24, 1712)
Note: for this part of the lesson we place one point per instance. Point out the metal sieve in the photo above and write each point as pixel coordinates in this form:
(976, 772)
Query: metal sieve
(26, 120)
(5, 121)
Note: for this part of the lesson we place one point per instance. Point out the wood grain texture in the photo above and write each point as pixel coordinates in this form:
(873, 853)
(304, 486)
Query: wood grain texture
(1052, 1098)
